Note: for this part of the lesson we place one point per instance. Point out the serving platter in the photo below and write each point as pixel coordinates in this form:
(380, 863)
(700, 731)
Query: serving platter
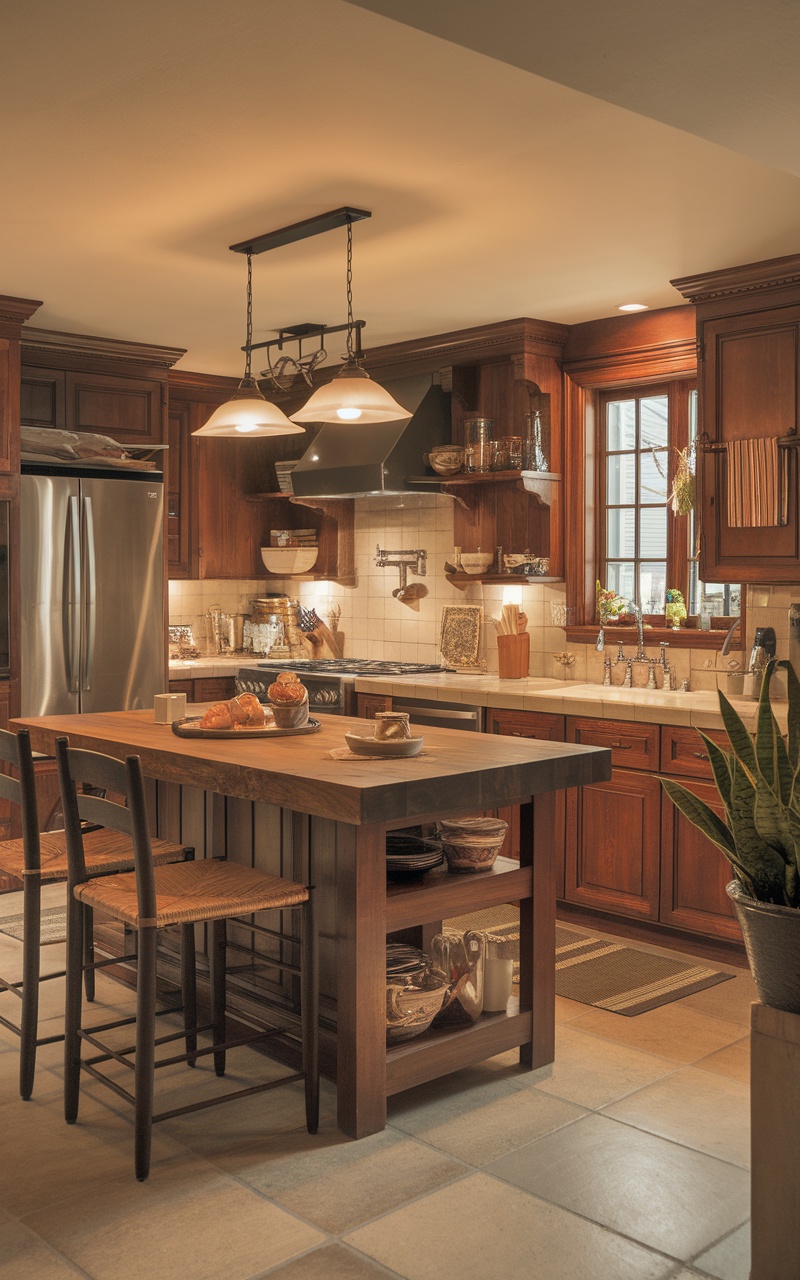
(190, 728)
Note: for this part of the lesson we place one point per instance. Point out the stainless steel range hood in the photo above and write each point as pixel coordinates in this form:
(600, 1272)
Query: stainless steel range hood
(351, 461)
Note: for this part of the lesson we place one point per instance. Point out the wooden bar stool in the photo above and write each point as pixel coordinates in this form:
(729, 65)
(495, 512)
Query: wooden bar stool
(38, 858)
(147, 900)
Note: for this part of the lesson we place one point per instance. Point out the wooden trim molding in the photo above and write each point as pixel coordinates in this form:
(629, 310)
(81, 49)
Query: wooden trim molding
(17, 310)
(686, 638)
(56, 343)
(669, 360)
(750, 278)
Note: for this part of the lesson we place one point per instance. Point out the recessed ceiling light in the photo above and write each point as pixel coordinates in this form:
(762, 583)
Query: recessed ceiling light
(634, 306)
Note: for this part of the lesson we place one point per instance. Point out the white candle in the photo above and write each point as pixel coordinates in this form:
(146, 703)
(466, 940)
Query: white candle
(498, 976)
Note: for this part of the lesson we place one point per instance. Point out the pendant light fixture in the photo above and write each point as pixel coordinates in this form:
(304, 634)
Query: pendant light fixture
(248, 412)
(351, 396)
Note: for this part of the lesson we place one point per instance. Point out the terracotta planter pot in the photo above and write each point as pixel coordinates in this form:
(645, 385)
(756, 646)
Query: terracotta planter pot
(772, 938)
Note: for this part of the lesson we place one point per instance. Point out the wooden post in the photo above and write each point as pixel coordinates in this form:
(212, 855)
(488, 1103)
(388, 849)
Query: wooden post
(775, 1136)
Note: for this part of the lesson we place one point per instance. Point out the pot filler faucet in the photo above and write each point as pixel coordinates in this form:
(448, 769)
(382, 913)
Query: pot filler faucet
(416, 561)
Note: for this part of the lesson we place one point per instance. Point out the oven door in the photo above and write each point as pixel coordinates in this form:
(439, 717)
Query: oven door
(441, 715)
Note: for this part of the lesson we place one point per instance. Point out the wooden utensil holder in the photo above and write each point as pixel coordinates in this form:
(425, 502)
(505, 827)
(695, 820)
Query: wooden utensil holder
(513, 656)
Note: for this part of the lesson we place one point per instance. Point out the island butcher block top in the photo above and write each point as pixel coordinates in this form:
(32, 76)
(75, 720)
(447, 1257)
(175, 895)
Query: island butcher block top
(455, 771)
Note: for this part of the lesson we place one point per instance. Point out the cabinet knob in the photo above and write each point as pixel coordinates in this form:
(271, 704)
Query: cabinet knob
(700, 755)
(622, 746)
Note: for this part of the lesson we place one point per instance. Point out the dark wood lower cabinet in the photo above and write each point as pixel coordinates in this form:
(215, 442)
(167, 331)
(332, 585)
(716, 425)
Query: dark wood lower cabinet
(213, 689)
(694, 872)
(612, 841)
(546, 728)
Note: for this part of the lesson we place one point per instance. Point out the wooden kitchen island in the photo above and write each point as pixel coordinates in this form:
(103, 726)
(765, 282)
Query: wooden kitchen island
(288, 807)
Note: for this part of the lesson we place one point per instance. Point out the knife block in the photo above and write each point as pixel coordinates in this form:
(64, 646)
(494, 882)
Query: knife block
(513, 656)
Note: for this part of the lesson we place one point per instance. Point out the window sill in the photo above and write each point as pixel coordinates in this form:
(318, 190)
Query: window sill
(686, 638)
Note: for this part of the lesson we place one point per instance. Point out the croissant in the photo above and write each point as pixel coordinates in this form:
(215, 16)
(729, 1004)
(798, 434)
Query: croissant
(217, 717)
(246, 711)
(287, 689)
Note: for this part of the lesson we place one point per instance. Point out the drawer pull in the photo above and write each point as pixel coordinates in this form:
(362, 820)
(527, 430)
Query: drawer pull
(700, 755)
(622, 746)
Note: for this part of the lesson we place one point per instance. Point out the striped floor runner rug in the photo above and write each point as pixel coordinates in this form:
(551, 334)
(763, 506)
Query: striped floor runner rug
(54, 925)
(602, 972)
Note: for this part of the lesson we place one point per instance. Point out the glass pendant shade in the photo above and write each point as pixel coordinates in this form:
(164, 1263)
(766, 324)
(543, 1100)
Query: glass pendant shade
(248, 413)
(351, 396)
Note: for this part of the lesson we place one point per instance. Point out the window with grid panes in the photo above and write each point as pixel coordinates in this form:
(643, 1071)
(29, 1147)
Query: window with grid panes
(645, 548)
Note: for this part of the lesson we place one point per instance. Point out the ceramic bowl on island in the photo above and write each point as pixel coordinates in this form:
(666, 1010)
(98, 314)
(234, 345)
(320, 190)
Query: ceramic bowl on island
(472, 844)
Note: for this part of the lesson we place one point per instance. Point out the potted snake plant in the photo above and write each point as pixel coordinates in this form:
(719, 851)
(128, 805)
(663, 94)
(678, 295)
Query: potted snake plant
(758, 780)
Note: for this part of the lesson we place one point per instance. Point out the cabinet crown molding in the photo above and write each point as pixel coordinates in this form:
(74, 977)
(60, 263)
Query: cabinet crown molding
(56, 342)
(750, 277)
(19, 309)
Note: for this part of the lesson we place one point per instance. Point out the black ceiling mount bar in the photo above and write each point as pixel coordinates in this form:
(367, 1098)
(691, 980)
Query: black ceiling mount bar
(298, 332)
(301, 230)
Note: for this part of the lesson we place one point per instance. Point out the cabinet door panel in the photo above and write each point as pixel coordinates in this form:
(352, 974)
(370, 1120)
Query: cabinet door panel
(178, 493)
(127, 409)
(749, 388)
(694, 873)
(613, 832)
(42, 397)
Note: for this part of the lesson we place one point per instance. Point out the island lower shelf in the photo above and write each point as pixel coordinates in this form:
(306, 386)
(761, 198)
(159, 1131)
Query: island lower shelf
(444, 1049)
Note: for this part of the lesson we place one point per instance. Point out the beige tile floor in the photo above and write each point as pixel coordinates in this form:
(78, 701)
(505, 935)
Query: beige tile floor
(627, 1160)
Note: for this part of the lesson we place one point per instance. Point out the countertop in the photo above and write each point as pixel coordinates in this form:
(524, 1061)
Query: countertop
(298, 773)
(700, 710)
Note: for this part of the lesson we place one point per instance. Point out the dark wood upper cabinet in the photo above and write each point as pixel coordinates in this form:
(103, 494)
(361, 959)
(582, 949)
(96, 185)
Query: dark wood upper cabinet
(748, 335)
(127, 409)
(42, 397)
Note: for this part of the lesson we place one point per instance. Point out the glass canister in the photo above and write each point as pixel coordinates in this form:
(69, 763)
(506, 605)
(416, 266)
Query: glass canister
(478, 444)
(507, 455)
(536, 444)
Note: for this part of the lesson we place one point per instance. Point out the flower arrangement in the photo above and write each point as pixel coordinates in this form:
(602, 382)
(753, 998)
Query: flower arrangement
(675, 609)
(610, 606)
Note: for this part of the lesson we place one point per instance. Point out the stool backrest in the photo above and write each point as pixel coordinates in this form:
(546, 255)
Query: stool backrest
(15, 749)
(77, 768)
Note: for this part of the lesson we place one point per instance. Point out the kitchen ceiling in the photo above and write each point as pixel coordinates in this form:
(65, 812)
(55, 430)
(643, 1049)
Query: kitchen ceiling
(544, 166)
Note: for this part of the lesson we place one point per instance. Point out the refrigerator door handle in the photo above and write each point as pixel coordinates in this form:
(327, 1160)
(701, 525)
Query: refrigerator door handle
(90, 576)
(72, 619)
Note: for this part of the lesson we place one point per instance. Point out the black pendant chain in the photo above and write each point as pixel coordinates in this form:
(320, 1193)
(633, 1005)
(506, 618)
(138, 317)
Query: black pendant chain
(249, 337)
(351, 355)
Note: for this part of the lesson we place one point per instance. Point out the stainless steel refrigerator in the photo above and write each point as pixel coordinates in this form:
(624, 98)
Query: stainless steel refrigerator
(91, 591)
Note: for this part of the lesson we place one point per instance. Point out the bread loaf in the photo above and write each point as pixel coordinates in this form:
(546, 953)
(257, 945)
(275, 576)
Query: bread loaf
(287, 690)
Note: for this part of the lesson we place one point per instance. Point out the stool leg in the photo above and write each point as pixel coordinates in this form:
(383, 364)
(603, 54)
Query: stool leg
(309, 996)
(217, 957)
(145, 1049)
(72, 1009)
(88, 952)
(189, 988)
(31, 953)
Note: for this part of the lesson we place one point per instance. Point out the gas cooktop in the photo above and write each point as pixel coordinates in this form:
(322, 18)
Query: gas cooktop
(351, 666)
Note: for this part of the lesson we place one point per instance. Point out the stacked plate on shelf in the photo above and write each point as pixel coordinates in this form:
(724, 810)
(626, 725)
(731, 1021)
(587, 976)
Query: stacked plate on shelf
(283, 471)
(410, 855)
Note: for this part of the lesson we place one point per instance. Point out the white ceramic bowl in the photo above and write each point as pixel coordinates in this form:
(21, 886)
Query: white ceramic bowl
(364, 746)
(283, 560)
(476, 561)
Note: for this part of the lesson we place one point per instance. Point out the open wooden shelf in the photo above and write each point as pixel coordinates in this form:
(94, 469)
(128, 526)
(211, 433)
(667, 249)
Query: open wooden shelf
(446, 1049)
(462, 579)
(442, 893)
(333, 520)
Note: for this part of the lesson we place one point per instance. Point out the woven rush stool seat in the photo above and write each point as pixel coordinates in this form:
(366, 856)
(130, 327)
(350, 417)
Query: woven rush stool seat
(40, 857)
(192, 892)
(106, 852)
(151, 898)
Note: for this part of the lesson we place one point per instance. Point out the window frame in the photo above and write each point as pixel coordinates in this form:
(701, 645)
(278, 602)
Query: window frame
(678, 533)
